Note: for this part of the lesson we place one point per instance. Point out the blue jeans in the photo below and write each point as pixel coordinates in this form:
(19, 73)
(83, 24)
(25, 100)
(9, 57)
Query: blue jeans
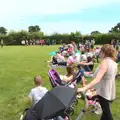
(87, 69)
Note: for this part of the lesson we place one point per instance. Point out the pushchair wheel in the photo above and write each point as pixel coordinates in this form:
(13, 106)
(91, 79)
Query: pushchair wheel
(76, 101)
(70, 111)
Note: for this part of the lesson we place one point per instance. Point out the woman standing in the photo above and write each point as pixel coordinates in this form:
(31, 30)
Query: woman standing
(104, 81)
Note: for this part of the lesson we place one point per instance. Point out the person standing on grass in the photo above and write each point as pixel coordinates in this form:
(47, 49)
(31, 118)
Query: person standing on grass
(92, 43)
(117, 45)
(30, 42)
(26, 42)
(1, 43)
(104, 81)
(38, 92)
(53, 42)
(48, 42)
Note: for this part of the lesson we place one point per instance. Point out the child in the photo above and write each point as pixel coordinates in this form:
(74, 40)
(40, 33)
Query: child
(118, 57)
(38, 92)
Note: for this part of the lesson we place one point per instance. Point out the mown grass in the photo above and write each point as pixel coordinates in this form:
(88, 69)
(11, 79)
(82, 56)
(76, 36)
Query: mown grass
(18, 66)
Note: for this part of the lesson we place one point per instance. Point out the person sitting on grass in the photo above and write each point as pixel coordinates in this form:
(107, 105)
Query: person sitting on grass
(83, 56)
(79, 75)
(72, 59)
(60, 57)
(57, 59)
(69, 74)
(83, 72)
(88, 65)
(38, 92)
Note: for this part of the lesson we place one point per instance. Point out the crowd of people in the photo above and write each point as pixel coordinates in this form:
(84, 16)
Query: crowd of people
(115, 44)
(38, 42)
(84, 56)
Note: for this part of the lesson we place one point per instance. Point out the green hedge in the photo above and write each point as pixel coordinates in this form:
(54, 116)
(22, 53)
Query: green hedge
(15, 38)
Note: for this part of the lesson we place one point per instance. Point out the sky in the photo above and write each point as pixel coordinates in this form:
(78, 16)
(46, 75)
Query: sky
(61, 16)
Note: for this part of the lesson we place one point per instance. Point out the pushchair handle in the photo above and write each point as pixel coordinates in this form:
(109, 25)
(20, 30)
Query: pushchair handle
(84, 97)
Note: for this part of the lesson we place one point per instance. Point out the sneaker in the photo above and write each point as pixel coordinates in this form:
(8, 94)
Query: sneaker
(98, 109)
(98, 112)
(79, 96)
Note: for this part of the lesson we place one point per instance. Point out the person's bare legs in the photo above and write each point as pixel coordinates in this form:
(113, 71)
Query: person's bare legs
(83, 81)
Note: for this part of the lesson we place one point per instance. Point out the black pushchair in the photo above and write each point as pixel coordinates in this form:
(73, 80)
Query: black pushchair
(56, 81)
(56, 102)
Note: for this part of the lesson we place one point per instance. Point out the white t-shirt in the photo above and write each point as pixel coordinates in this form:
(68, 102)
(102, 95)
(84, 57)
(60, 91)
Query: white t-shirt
(83, 57)
(37, 93)
(97, 51)
(60, 58)
(89, 54)
(70, 60)
(77, 57)
(92, 42)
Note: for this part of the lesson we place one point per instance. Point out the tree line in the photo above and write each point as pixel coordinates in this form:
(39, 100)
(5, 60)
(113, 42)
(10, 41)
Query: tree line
(35, 33)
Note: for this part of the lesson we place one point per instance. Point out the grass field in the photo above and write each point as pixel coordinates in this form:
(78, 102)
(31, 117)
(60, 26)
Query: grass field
(18, 66)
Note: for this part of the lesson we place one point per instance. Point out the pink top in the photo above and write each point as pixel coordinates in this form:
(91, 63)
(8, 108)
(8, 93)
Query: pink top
(70, 49)
(97, 51)
(70, 60)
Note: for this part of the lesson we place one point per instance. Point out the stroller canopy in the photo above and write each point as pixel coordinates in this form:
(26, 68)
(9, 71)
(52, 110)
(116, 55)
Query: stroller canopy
(54, 102)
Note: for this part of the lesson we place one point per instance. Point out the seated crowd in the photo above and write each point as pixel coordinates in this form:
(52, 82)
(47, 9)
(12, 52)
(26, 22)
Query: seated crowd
(79, 59)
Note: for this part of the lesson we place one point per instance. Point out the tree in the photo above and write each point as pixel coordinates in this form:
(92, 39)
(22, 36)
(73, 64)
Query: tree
(32, 29)
(37, 35)
(37, 28)
(23, 34)
(77, 34)
(3, 31)
(116, 28)
(95, 32)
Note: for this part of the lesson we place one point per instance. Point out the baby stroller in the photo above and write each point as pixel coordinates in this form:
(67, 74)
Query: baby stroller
(92, 102)
(55, 79)
(61, 96)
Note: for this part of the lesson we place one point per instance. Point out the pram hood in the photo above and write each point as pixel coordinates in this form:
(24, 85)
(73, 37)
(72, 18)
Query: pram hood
(54, 102)
(54, 78)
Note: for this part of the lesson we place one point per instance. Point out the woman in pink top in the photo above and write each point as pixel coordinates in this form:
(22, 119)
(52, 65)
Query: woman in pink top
(70, 49)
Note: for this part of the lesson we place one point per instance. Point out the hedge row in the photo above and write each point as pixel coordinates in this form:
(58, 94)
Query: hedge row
(15, 38)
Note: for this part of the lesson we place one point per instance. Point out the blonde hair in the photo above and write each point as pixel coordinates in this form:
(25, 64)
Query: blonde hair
(37, 80)
(109, 51)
